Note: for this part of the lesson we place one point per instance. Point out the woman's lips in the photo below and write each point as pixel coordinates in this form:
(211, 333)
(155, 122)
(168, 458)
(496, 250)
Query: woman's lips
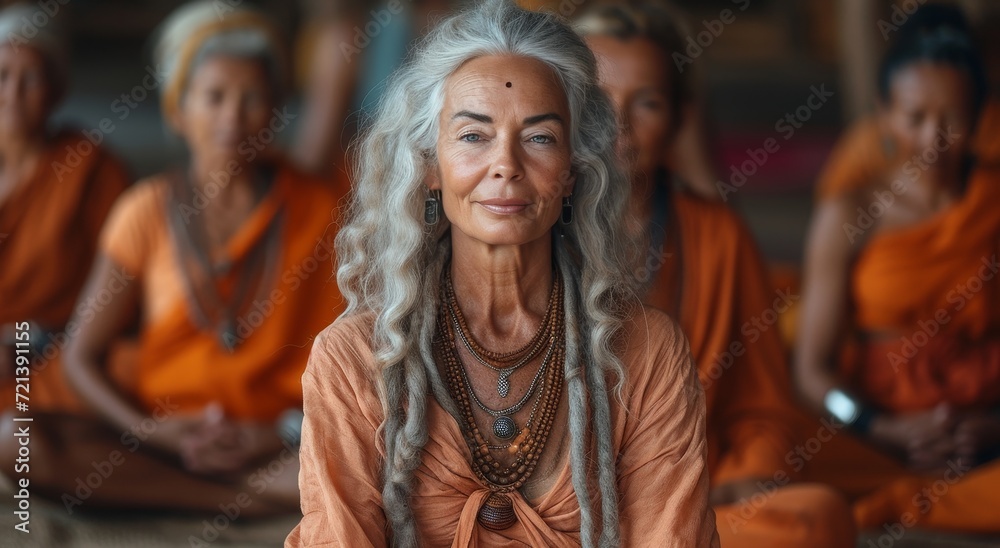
(504, 207)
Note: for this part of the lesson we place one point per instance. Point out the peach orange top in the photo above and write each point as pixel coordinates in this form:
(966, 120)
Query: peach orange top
(658, 434)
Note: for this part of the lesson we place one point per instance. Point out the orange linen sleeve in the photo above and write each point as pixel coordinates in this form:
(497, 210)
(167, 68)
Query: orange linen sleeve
(662, 470)
(128, 233)
(340, 479)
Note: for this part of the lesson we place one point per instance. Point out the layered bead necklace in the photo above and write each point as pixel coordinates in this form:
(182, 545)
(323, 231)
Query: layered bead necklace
(497, 512)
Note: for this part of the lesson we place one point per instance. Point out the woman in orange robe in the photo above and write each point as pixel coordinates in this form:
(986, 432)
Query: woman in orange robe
(868, 152)
(225, 264)
(495, 381)
(704, 269)
(908, 265)
(55, 192)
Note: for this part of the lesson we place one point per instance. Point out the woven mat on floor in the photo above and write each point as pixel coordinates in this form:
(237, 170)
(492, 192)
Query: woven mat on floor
(51, 527)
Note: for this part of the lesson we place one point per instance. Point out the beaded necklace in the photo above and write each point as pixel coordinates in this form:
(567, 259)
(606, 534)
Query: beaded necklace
(497, 512)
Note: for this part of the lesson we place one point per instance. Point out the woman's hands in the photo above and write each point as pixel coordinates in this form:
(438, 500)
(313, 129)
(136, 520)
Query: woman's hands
(924, 439)
(977, 438)
(214, 444)
(928, 440)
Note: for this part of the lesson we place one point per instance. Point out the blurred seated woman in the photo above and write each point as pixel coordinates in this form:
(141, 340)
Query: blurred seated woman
(868, 151)
(703, 267)
(223, 261)
(56, 188)
(688, 153)
(909, 265)
(494, 380)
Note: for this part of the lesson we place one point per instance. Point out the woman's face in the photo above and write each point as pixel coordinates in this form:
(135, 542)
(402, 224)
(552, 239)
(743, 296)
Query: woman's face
(24, 92)
(225, 110)
(503, 150)
(929, 115)
(634, 74)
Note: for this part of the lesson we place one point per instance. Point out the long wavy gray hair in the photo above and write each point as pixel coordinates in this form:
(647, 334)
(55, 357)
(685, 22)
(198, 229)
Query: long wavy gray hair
(391, 262)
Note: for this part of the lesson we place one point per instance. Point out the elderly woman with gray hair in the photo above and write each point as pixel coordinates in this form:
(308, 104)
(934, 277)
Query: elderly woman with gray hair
(495, 379)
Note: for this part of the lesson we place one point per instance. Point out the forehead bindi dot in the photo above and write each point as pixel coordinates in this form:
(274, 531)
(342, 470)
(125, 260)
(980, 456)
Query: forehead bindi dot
(509, 84)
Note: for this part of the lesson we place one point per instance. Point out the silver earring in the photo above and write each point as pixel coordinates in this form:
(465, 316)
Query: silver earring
(432, 208)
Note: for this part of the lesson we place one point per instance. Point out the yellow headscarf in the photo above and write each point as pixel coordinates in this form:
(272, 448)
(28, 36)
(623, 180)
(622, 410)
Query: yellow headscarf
(191, 27)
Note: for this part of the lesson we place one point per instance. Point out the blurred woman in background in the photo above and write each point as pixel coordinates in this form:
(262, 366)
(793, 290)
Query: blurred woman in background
(900, 326)
(871, 149)
(223, 262)
(688, 153)
(56, 188)
(703, 268)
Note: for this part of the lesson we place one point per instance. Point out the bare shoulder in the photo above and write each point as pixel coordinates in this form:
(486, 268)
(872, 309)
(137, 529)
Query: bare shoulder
(840, 224)
(146, 194)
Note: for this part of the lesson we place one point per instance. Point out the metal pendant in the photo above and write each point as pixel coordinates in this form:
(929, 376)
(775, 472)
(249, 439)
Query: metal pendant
(504, 428)
(497, 512)
(503, 384)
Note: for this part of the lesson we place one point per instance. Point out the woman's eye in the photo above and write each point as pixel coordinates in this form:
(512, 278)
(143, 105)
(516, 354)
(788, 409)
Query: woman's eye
(542, 139)
(469, 138)
(215, 97)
